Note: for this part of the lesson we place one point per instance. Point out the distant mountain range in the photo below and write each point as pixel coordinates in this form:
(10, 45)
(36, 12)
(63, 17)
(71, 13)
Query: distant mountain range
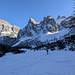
(36, 34)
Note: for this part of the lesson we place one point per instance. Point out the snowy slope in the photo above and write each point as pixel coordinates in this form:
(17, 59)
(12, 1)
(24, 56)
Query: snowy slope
(51, 36)
(38, 63)
(58, 21)
(45, 32)
(45, 37)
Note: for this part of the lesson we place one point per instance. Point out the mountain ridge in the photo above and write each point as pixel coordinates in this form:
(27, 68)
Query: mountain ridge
(63, 30)
(48, 34)
(46, 29)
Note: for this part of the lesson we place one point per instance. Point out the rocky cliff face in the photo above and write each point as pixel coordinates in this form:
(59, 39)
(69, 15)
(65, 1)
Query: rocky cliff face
(8, 33)
(68, 22)
(35, 33)
(6, 29)
(48, 24)
(48, 29)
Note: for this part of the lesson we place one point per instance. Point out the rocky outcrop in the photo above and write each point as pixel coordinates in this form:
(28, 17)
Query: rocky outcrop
(4, 25)
(8, 33)
(68, 22)
(61, 17)
(32, 21)
(48, 24)
(6, 29)
(34, 30)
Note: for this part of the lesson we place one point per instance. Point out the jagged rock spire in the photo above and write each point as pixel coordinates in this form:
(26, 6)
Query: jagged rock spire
(48, 24)
(61, 17)
(33, 21)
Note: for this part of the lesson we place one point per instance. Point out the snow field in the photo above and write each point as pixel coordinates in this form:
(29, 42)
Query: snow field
(38, 63)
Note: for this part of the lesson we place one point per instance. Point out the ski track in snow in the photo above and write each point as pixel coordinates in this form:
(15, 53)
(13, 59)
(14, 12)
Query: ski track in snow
(38, 63)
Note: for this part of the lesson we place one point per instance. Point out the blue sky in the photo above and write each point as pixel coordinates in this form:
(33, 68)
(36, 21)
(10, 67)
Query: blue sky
(18, 12)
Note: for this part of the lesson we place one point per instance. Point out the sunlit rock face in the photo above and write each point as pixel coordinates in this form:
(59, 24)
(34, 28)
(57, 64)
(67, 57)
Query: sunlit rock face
(6, 29)
(32, 33)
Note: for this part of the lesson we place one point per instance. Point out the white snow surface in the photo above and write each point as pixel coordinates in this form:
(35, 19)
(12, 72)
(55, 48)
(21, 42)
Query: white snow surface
(59, 21)
(45, 37)
(52, 36)
(38, 63)
(21, 39)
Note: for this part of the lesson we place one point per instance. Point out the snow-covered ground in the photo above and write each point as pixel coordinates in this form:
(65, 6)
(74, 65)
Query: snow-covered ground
(38, 63)
(45, 37)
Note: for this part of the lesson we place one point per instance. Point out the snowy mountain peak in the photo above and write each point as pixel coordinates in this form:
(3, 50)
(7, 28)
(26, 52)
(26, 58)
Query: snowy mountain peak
(33, 21)
(45, 30)
(60, 19)
(48, 20)
(48, 29)
(48, 24)
(5, 23)
(6, 29)
(68, 22)
(48, 17)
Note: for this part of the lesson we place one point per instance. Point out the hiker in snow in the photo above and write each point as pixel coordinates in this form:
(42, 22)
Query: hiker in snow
(47, 51)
